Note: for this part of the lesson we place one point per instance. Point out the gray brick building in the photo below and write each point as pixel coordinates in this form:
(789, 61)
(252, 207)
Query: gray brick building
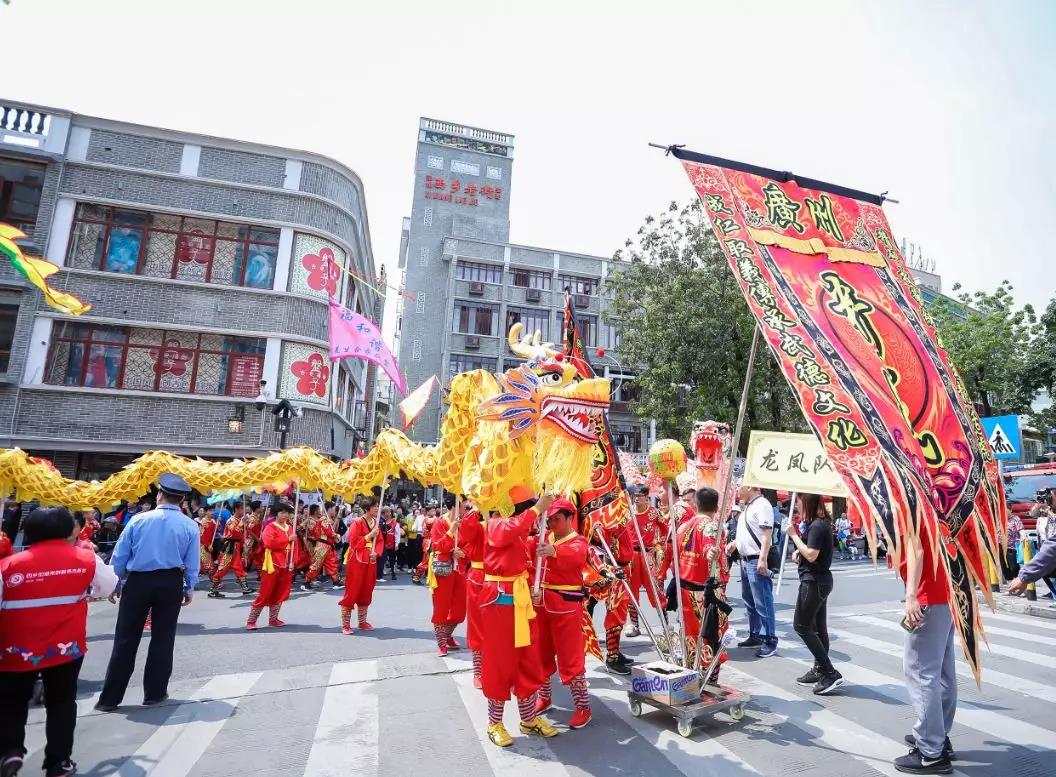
(206, 263)
(471, 284)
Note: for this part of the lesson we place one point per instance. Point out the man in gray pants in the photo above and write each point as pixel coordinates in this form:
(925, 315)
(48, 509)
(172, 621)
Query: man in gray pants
(929, 662)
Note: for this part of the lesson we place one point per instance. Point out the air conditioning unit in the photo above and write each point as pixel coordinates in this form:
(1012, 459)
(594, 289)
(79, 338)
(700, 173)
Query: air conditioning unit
(533, 295)
(476, 288)
(581, 301)
(472, 342)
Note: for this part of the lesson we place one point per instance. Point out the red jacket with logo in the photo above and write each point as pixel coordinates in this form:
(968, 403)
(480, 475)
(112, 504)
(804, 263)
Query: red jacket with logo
(44, 609)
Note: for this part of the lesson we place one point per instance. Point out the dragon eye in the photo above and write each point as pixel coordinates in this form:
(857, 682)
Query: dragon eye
(551, 377)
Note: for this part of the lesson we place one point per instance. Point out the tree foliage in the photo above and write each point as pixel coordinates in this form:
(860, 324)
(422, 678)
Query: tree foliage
(990, 342)
(1041, 366)
(688, 331)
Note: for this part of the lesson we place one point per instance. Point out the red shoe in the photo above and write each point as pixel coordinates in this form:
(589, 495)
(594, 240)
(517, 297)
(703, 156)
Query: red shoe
(477, 684)
(277, 623)
(579, 718)
(542, 704)
(251, 625)
(347, 631)
(452, 645)
(441, 651)
(364, 626)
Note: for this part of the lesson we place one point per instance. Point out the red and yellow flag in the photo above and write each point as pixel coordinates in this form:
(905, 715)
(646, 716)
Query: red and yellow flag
(37, 271)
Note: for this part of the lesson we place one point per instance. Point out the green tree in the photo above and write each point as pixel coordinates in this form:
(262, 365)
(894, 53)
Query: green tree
(1041, 366)
(989, 341)
(687, 330)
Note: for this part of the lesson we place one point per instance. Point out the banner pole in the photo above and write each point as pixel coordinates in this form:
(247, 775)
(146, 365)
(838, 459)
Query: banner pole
(784, 544)
(673, 533)
(650, 574)
(724, 497)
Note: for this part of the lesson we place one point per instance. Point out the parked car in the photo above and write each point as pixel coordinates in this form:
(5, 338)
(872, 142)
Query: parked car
(1022, 487)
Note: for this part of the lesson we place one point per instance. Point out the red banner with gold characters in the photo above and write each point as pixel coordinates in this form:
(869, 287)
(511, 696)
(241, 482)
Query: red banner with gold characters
(823, 276)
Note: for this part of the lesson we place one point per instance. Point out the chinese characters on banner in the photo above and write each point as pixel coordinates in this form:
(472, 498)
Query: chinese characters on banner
(353, 336)
(454, 190)
(790, 462)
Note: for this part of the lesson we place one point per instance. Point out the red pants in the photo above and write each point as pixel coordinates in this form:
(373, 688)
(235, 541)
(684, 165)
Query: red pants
(360, 577)
(205, 558)
(274, 588)
(505, 667)
(617, 605)
(693, 611)
(230, 561)
(638, 577)
(302, 558)
(562, 643)
(474, 592)
(449, 598)
(323, 562)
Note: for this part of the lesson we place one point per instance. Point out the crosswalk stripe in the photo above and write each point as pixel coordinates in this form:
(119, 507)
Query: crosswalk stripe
(176, 746)
(527, 757)
(1046, 624)
(825, 726)
(969, 713)
(1033, 657)
(349, 728)
(999, 631)
(697, 755)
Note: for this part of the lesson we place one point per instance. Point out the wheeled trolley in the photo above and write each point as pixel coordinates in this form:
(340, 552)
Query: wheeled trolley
(713, 699)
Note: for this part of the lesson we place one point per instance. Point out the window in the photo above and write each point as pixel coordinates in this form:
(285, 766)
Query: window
(8, 319)
(614, 332)
(471, 318)
(419, 305)
(495, 173)
(482, 273)
(531, 279)
(161, 245)
(587, 325)
(626, 437)
(533, 319)
(576, 284)
(624, 389)
(416, 350)
(20, 186)
(461, 362)
(435, 162)
(423, 257)
(466, 168)
(427, 217)
(155, 360)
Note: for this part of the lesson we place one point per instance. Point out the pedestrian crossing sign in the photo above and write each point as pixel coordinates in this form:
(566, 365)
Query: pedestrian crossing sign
(1002, 432)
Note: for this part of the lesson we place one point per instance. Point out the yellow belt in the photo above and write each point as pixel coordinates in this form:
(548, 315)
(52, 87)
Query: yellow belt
(268, 565)
(552, 587)
(476, 564)
(523, 611)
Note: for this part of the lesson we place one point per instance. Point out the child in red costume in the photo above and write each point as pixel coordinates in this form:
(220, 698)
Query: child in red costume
(617, 602)
(231, 554)
(275, 574)
(648, 552)
(471, 543)
(559, 610)
(508, 622)
(365, 543)
(324, 557)
(449, 586)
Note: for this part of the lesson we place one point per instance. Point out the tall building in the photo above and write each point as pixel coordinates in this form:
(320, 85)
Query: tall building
(469, 284)
(206, 261)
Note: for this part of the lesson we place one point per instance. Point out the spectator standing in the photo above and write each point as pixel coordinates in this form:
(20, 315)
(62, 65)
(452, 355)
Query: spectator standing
(12, 519)
(1043, 564)
(755, 526)
(1046, 530)
(43, 615)
(157, 557)
(1011, 557)
(814, 555)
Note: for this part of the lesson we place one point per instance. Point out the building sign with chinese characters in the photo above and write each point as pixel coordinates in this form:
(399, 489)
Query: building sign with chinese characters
(456, 191)
(312, 269)
(791, 462)
(305, 374)
(245, 375)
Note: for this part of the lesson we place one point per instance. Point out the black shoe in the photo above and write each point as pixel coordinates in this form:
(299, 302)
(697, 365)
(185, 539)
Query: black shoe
(100, 707)
(915, 762)
(947, 746)
(10, 764)
(625, 660)
(613, 666)
(67, 768)
(752, 641)
(828, 683)
(215, 594)
(307, 587)
(810, 678)
(152, 702)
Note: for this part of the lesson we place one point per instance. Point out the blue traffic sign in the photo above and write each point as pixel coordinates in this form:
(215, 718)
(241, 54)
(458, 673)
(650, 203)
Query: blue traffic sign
(1002, 431)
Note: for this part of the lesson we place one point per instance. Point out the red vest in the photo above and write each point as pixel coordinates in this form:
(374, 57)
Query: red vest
(44, 610)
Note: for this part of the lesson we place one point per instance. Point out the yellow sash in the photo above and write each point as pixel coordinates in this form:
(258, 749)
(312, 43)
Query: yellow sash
(430, 578)
(476, 564)
(523, 611)
(556, 587)
(269, 565)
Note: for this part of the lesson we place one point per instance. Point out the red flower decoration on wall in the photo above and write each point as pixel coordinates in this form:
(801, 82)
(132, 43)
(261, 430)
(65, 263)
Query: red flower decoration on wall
(311, 375)
(322, 271)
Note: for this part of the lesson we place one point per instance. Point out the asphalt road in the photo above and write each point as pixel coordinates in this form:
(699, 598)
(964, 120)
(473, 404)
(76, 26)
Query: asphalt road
(307, 700)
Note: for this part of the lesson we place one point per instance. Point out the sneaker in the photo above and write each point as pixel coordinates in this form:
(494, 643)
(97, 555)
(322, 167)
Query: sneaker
(947, 746)
(307, 587)
(625, 660)
(915, 762)
(452, 645)
(380, 580)
(542, 704)
(67, 768)
(251, 625)
(766, 651)
(613, 666)
(347, 631)
(277, 623)
(441, 651)
(364, 626)
(100, 707)
(810, 678)
(155, 702)
(499, 736)
(828, 683)
(632, 631)
(215, 595)
(579, 718)
(477, 683)
(539, 726)
(752, 641)
(10, 765)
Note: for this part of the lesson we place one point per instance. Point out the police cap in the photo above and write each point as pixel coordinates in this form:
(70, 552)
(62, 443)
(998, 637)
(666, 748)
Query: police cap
(640, 489)
(173, 485)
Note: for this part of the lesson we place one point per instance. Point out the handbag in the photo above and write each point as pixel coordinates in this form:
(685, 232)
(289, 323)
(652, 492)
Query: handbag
(773, 555)
(442, 568)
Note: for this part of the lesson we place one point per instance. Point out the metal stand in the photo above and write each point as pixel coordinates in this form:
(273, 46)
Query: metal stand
(673, 535)
(656, 595)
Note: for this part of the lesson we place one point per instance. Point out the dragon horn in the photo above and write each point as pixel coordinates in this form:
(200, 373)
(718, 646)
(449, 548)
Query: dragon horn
(529, 346)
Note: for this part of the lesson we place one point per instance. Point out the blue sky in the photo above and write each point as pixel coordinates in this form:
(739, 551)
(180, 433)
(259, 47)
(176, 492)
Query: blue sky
(948, 105)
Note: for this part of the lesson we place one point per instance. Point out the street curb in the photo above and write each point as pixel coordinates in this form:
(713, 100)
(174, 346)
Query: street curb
(1019, 606)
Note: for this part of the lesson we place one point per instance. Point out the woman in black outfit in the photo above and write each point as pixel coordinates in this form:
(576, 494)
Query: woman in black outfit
(814, 554)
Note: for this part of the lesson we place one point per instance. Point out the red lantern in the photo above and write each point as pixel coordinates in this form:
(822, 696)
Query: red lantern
(601, 353)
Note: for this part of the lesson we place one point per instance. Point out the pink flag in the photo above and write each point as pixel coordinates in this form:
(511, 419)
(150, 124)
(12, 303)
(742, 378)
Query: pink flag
(416, 401)
(353, 336)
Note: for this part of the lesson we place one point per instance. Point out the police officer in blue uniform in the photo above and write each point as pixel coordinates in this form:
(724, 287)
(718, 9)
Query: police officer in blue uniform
(157, 559)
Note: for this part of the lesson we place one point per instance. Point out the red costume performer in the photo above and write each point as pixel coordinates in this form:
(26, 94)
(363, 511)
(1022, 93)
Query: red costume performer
(617, 603)
(252, 548)
(562, 641)
(324, 557)
(5, 545)
(471, 542)
(365, 543)
(302, 546)
(427, 528)
(447, 582)
(206, 533)
(231, 556)
(648, 555)
(509, 625)
(275, 575)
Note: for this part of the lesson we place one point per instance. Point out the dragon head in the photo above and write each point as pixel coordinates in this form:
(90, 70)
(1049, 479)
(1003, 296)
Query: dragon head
(544, 359)
(711, 443)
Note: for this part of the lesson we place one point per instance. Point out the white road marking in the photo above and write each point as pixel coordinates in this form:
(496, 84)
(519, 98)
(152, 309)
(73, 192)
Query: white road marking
(175, 747)
(1046, 624)
(349, 727)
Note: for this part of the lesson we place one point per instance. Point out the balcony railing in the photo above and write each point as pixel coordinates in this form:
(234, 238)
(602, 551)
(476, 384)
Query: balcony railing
(469, 132)
(23, 126)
